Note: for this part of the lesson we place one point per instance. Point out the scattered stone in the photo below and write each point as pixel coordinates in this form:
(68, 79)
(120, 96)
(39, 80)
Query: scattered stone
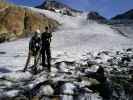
(107, 74)
(2, 52)
(46, 90)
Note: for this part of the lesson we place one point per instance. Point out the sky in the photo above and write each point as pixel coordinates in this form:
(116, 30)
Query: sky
(107, 8)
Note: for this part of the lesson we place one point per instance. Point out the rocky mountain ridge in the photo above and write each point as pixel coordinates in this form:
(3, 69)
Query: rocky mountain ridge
(95, 16)
(56, 6)
(124, 16)
(18, 22)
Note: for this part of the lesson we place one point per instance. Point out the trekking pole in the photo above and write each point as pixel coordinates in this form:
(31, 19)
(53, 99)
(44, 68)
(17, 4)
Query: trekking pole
(27, 62)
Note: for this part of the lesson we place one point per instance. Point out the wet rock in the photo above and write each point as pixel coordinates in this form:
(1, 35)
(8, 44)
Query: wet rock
(46, 90)
(90, 63)
(67, 91)
(68, 88)
(93, 68)
(85, 82)
(129, 50)
(85, 78)
(22, 97)
(12, 93)
(2, 52)
(89, 96)
(62, 66)
(17, 76)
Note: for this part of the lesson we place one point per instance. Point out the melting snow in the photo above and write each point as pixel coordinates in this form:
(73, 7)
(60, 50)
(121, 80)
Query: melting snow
(74, 39)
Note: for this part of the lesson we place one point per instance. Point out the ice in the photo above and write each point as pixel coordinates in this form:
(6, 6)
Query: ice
(17, 76)
(75, 37)
(12, 93)
(67, 89)
(76, 41)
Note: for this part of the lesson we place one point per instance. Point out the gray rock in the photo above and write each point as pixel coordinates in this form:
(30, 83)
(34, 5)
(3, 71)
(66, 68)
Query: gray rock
(46, 90)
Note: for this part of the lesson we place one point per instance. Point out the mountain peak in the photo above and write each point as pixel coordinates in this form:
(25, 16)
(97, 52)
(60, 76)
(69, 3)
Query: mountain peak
(95, 16)
(126, 16)
(57, 6)
(49, 4)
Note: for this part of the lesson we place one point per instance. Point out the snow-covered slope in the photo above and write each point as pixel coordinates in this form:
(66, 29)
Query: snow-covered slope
(75, 37)
(71, 43)
(77, 32)
(126, 30)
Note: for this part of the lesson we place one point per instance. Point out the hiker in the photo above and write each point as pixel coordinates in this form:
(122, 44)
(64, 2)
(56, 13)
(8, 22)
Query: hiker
(46, 53)
(103, 87)
(34, 47)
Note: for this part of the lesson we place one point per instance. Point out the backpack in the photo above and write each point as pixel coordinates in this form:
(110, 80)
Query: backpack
(34, 45)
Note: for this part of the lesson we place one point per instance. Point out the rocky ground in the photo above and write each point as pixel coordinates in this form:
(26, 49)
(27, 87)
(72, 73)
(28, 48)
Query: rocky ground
(106, 75)
(77, 73)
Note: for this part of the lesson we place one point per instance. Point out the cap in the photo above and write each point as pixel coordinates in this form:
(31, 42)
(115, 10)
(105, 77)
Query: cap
(38, 31)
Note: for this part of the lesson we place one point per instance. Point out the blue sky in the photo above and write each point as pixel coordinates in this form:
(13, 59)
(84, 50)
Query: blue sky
(107, 8)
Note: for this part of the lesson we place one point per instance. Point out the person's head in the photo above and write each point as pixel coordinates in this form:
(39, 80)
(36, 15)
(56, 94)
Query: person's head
(37, 32)
(46, 29)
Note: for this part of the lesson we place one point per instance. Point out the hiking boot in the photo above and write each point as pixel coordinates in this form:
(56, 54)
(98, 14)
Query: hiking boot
(46, 69)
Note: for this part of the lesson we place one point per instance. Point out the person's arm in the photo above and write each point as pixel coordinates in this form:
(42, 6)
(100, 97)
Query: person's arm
(30, 43)
(40, 42)
(50, 36)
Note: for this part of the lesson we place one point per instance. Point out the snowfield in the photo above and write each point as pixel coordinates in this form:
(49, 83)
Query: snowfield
(74, 39)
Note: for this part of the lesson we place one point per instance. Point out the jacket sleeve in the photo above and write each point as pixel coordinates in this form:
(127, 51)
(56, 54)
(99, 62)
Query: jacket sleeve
(50, 36)
(30, 43)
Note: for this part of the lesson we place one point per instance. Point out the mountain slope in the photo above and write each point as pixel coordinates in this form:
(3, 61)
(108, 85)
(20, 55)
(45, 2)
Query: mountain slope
(17, 22)
(76, 35)
(76, 47)
(124, 23)
(76, 31)
(125, 16)
(95, 16)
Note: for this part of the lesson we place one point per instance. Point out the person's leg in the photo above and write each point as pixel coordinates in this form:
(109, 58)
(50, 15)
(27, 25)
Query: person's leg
(43, 58)
(48, 53)
(36, 60)
(35, 64)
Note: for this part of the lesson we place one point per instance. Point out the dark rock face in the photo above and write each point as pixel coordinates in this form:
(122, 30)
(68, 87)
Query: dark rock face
(48, 4)
(125, 16)
(17, 22)
(54, 5)
(95, 16)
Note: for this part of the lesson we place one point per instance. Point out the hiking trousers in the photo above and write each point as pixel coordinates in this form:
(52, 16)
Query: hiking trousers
(46, 56)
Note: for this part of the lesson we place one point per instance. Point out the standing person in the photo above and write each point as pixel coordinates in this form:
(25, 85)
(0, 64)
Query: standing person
(34, 50)
(46, 52)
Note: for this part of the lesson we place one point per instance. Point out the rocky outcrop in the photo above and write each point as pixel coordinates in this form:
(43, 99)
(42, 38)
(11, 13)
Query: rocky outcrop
(18, 22)
(125, 16)
(95, 16)
(56, 6)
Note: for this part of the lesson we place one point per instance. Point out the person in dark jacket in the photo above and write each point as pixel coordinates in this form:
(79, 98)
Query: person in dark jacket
(34, 50)
(104, 87)
(46, 52)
